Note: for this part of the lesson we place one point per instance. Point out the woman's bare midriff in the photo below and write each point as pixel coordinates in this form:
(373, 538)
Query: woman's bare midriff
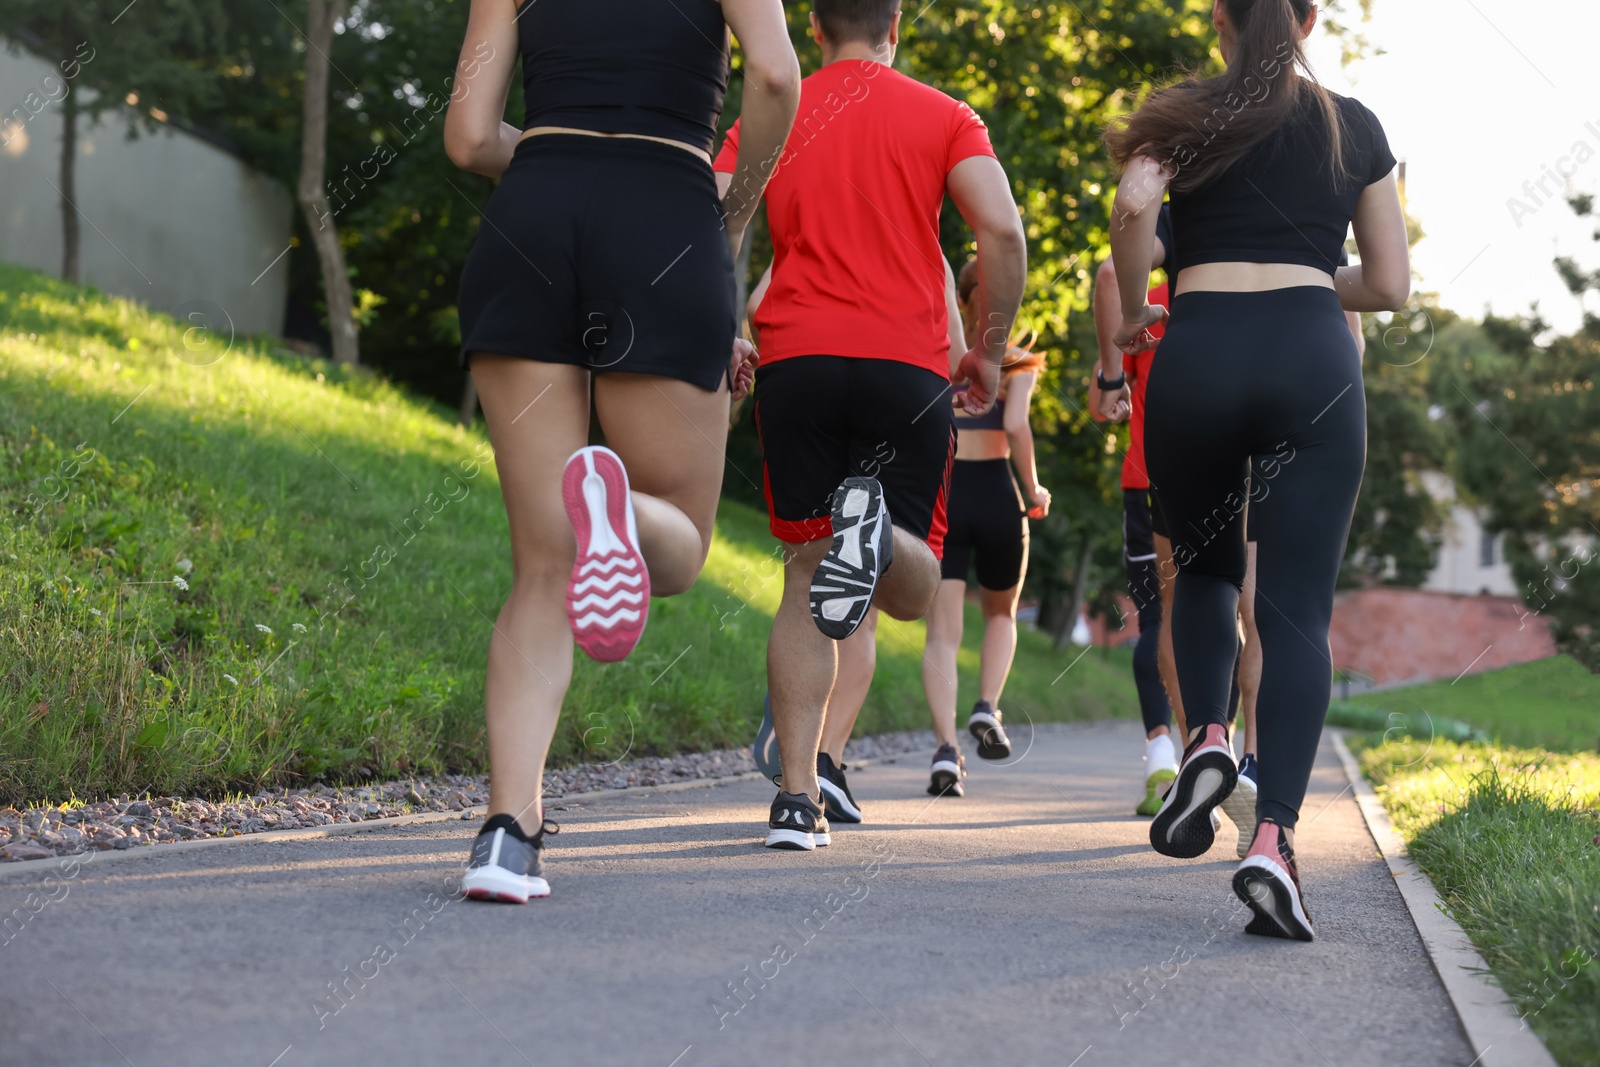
(1248, 277)
(537, 130)
(981, 444)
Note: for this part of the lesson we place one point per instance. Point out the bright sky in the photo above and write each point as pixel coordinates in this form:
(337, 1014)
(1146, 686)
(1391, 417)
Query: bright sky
(1480, 97)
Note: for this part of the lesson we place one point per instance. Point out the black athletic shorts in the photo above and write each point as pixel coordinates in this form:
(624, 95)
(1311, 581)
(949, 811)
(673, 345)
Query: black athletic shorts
(1138, 525)
(607, 253)
(988, 525)
(822, 419)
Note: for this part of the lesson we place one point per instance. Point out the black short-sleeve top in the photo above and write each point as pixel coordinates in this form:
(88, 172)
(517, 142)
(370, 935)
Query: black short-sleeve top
(647, 67)
(1282, 202)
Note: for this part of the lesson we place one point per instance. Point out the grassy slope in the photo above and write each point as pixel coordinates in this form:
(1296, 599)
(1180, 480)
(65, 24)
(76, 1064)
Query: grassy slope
(1552, 703)
(342, 551)
(1511, 837)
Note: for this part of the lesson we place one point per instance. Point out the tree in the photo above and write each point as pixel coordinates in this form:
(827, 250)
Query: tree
(310, 191)
(1530, 427)
(145, 60)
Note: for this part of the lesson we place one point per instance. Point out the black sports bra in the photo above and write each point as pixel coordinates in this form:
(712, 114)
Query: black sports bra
(1280, 203)
(650, 67)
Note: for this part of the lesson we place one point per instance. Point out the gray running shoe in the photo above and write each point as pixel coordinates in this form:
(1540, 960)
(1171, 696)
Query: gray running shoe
(504, 865)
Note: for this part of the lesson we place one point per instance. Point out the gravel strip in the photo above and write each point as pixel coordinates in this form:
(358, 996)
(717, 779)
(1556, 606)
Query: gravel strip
(126, 822)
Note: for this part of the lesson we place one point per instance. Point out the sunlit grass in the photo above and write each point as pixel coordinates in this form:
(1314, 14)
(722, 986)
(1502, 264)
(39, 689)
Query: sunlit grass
(1511, 838)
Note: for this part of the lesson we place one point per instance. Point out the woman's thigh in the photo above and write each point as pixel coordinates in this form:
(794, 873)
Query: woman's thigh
(538, 415)
(672, 436)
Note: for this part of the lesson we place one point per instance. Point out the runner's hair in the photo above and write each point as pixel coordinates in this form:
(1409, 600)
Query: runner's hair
(857, 20)
(1020, 355)
(1199, 127)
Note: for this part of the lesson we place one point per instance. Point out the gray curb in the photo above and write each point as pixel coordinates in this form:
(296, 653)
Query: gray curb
(312, 833)
(1493, 1027)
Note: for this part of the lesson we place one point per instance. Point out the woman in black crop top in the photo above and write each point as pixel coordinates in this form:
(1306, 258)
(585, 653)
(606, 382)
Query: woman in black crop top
(1266, 171)
(603, 263)
(987, 533)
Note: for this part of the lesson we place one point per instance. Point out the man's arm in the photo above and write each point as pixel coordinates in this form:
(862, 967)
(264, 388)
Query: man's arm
(982, 194)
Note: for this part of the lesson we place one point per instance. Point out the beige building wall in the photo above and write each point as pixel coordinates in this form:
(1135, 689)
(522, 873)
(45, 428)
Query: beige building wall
(168, 219)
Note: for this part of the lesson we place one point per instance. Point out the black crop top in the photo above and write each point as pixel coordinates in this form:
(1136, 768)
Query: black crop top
(625, 66)
(1280, 203)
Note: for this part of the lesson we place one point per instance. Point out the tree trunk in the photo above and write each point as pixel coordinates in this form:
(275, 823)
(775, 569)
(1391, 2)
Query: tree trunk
(70, 240)
(312, 195)
(1080, 586)
(469, 402)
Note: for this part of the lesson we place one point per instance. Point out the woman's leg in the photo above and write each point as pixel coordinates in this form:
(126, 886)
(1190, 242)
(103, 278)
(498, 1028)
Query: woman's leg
(671, 436)
(999, 640)
(939, 658)
(530, 651)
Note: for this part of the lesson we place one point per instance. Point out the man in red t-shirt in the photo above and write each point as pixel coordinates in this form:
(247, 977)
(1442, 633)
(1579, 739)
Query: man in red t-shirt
(852, 401)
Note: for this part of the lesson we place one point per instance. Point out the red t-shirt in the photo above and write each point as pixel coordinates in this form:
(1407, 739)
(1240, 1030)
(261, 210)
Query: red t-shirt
(853, 207)
(1137, 369)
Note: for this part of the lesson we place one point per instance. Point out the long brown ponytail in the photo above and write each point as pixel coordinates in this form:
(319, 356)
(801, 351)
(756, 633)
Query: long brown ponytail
(1199, 127)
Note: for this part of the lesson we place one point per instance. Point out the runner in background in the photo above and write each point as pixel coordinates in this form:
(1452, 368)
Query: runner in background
(988, 531)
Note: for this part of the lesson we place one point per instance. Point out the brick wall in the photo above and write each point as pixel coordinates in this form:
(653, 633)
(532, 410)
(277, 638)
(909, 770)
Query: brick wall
(1411, 635)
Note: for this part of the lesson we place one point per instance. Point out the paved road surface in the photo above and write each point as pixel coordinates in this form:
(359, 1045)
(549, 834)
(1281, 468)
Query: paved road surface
(1009, 927)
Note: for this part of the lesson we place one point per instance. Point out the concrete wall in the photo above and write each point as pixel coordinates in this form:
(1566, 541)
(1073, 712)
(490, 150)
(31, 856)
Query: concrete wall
(167, 219)
(1463, 566)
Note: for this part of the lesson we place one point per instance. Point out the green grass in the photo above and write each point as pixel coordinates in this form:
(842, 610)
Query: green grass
(1551, 703)
(1511, 838)
(226, 569)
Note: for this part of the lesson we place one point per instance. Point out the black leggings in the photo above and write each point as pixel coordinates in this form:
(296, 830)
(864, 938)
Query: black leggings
(1274, 375)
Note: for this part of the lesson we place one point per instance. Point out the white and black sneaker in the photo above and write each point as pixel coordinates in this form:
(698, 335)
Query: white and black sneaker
(949, 767)
(1241, 804)
(504, 864)
(862, 549)
(1187, 823)
(837, 803)
(984, 724)
(796, 823)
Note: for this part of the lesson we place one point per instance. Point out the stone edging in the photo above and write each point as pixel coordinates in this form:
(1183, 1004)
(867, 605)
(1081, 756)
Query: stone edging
(1493, 1028)
(312, 833)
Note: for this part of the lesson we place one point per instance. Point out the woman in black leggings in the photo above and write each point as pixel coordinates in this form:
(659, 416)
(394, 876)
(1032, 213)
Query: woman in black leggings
(1266, 171)
(603, 266)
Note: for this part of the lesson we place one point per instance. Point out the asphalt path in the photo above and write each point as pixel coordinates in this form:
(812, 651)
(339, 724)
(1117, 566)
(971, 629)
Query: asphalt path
(1027, 923)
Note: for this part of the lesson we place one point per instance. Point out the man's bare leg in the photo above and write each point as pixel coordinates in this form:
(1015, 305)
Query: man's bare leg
(1166, 575)
(1250, 659)
(801, 665)
(858, 660)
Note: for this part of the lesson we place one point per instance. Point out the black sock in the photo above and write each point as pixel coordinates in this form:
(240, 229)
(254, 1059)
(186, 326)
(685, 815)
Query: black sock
(505, 822)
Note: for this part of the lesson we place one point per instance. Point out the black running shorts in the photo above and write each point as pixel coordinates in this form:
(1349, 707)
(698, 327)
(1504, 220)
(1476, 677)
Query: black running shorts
(822, 419)
(1138, 526)
(988, 525)
(607, 253)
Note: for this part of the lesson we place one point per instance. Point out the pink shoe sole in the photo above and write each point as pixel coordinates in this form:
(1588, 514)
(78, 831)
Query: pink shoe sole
(608, 595)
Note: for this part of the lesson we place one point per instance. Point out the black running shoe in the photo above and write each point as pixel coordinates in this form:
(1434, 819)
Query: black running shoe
(862, 549)
(985, 726)
(949, 767)
(504, 864)
(796, 823)
(1269, 881)
(1185, 827)
(837, 802)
